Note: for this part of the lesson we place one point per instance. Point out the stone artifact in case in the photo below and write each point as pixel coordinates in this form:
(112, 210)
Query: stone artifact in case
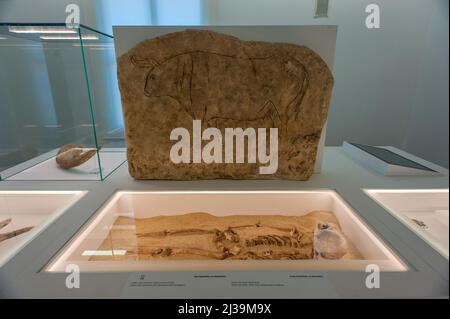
(61, 118)
(209, 82)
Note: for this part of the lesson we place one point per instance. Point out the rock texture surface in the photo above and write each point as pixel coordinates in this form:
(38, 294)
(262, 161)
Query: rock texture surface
(169, 81)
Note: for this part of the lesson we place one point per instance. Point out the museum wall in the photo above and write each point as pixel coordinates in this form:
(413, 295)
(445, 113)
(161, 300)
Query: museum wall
(376, 71)
(427, 135)
(388, 88)
(22, 92)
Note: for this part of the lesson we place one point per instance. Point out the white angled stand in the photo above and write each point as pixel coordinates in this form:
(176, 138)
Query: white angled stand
(383, 167)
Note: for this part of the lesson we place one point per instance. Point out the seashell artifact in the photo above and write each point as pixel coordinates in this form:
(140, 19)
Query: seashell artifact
(329, 242)
(168, 81)
(70, 156)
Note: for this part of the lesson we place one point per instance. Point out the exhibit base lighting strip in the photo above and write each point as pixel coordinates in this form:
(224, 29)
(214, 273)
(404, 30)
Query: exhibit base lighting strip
(69, 37)
(117, 252)
(40, 30)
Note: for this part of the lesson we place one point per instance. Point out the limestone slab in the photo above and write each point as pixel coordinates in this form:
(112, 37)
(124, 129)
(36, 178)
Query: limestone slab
(169, 81)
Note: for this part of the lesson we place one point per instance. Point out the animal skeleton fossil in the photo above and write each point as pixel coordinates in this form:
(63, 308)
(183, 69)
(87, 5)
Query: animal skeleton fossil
(11, 234)
(70, 156)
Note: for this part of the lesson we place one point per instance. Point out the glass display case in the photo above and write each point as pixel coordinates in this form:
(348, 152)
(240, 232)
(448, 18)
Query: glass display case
(24, 214)
(423, 211)
(58, 87)
(226, 230)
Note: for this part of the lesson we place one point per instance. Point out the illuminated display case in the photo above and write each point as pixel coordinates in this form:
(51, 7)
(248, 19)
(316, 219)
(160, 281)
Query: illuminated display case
(58, 86)
(25, 214)
(425, 212)
(124, 235)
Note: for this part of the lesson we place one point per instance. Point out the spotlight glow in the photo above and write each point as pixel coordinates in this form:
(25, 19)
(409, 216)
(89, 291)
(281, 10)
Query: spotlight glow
(69, 37)
(33, 29)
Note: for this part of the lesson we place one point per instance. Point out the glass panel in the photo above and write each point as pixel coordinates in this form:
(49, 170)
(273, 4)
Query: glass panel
(101, 73)
(45, 104)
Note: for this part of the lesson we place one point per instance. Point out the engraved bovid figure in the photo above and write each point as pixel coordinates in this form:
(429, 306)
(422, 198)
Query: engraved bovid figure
(167, 82)
(195, 77)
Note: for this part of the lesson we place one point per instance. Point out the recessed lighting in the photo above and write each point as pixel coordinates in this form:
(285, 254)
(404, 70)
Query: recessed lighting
(95, 45)
(114, 252)
(69, 37)
(33, 29)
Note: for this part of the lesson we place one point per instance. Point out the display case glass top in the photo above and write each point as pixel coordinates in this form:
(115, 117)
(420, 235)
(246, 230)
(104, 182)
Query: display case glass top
(58, 95)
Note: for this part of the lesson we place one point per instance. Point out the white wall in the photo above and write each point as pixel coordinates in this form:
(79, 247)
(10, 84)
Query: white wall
(376, 71)
(427, 134)
(122, 12)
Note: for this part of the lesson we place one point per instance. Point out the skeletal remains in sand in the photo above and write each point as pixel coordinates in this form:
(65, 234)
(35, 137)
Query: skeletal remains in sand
(13, 233)
(70, 156)
(326, 242)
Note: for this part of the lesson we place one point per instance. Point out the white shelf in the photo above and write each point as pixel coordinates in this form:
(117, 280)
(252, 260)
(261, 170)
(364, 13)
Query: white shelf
(88, 171)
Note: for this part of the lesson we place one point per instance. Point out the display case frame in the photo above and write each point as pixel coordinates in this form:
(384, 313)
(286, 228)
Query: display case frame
(133, 203)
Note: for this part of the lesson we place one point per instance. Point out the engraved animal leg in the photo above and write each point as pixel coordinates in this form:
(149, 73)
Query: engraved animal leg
(294, 106)
(270, 110)
(185, 73)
